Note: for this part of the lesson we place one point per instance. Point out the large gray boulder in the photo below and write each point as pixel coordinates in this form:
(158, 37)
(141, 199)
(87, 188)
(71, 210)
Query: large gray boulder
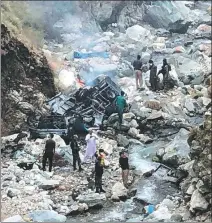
(198, 202)
(119, 192)
(162, 13)
(190, 72)
(15, 218)
(49, 184)
(46, 216)
(122, 140)
(92, 199)
(177, 151)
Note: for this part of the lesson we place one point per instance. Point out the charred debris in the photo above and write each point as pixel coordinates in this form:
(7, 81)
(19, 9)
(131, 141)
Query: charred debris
(84, 107)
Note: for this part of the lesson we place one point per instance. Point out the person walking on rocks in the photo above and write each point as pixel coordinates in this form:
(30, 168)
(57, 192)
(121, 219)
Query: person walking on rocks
(153, 75)
(121, 104)
(124, 164)
(75, 152)
(91, 145)
(49, 152)
(99, 169)
(137, 65)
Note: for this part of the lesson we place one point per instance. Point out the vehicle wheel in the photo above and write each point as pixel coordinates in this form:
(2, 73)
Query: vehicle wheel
(110, 94)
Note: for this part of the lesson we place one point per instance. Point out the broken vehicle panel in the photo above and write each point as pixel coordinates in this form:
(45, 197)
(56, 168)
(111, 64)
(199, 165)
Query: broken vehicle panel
(88, 102)
(41, 126)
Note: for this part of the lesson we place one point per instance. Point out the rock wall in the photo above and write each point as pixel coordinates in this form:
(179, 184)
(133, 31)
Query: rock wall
(26, 80)
(197, 187)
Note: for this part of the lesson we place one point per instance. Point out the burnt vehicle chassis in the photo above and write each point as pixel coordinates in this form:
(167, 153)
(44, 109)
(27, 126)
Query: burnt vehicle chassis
(89, 103)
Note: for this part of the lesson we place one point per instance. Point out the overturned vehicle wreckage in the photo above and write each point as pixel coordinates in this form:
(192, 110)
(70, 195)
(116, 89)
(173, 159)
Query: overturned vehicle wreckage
(79, 110)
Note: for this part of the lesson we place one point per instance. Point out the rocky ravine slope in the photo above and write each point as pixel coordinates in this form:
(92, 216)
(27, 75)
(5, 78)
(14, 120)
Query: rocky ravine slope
(26, 80)
(156, 128)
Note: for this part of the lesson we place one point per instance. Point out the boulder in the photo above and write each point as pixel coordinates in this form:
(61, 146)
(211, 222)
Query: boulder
(49, 184)
(152, 104)
(190, 71)
(128, 116)
(155, 115)
(108, 145)
(26, 108)
(198, 202)
(188, 167)
(46, 216)
(203, 30)
(160, 152)
(142, 112)
(179, 26)
(137, 33)
(134, 123)
(144, 138)
(13, 192)
(202, 188)
(177, 151)
(189, 105)
(176, 218)
(92, 199)
(190, 190)
(179, 49)
(206, 101)
(162, 14)
(145, 57)
(119, 192)
(15, 218)
(133, 132)
(122, 140)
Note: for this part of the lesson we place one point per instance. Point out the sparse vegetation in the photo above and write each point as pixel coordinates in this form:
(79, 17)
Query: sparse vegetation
(17, 17)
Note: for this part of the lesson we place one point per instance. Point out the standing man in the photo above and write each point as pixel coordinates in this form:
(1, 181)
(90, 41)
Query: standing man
(91, 145)
(124, 164)
(99, 169)
(120, 105)
(49, 152)
(75, 152)
(153, 75)
(137, 65)
(165, 71)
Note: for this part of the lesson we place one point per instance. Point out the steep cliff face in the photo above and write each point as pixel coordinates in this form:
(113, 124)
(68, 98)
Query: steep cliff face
(26, 80)
(197, 187)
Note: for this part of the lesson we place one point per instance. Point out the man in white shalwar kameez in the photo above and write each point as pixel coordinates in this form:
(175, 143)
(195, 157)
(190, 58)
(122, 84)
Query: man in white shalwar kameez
(91, 145)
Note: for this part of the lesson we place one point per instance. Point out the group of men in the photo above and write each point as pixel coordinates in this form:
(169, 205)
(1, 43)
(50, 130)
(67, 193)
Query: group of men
(91, 153)
(154, 79)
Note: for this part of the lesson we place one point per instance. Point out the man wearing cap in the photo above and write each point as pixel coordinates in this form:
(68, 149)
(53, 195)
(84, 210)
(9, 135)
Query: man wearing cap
(153, 75)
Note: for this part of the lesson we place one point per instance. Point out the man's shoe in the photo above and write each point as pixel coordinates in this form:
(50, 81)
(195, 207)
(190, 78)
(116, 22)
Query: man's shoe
(103, 191)
(80, 169)
(97, 191)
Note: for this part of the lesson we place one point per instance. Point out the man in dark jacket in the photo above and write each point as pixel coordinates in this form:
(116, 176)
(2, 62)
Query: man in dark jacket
(49, 152)
(99, 169)
(75, 152)
(166, 76)
(137, 65)
(153, 75)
